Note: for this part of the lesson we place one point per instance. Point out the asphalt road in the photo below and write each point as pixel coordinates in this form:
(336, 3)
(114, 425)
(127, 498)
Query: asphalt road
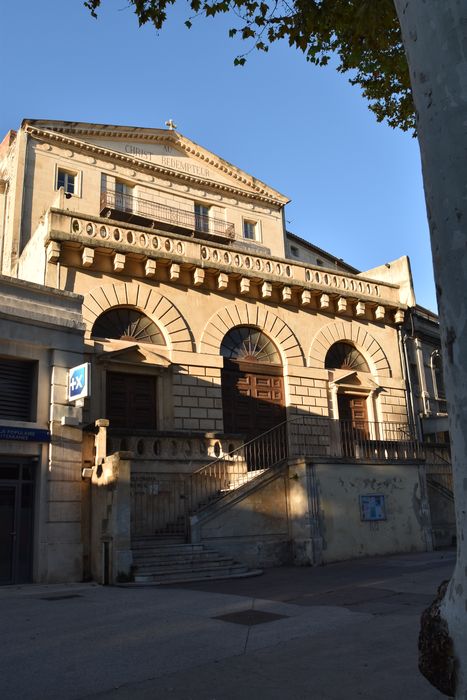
(347, 630)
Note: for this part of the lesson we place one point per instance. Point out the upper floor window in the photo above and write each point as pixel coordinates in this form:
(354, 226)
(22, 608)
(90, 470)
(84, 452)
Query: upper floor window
(67, 180)
(201, 217)
(249, 230)
(18, 380)
(295, 251)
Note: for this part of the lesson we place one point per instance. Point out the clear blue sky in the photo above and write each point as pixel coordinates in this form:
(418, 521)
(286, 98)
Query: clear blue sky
(355, 185)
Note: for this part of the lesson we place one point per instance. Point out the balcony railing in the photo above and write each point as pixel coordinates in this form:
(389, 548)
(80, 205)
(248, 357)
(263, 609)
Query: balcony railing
(126, 207)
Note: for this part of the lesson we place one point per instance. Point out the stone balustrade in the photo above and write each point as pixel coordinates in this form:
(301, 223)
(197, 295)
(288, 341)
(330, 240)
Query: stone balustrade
(172, 447)
(156, 246)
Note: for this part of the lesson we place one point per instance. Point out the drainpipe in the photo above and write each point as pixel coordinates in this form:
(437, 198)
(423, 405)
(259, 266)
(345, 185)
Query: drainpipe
(409, 394)
(421, 372)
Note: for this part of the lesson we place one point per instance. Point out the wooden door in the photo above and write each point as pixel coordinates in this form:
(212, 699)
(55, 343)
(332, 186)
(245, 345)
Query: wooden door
(354, 422)
(131, 401)
(253, 401)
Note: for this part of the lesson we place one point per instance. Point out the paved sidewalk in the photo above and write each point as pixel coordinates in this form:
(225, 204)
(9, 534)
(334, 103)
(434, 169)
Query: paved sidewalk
(348, 630)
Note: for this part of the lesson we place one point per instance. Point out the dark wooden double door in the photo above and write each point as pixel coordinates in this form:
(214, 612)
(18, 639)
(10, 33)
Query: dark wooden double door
(252, 398)
(16, 520)
(131, 401)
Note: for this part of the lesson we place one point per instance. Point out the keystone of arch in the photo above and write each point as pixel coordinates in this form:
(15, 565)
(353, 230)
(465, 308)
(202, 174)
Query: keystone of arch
(354, 334)
(261, 317)
(157, 307)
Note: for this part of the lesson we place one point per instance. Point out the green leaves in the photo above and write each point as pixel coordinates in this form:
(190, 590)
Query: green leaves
(364, 35)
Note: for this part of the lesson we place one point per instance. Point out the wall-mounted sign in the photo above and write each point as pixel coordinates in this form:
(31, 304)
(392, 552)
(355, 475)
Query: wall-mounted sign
(24, 434)
(79, 382)
(372, 507)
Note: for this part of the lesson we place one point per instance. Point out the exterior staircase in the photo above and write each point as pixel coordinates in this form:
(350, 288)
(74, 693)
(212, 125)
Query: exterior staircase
(169, 560)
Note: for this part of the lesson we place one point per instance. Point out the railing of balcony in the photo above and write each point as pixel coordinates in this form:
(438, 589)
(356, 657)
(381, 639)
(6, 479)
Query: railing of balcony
(161, 213)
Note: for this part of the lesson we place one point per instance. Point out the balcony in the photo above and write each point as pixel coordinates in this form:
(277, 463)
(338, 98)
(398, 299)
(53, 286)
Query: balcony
(126, 207)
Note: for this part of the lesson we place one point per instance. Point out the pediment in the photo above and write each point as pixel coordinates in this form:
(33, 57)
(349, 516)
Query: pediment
(343, 378)
(133, 354)
(164, 150)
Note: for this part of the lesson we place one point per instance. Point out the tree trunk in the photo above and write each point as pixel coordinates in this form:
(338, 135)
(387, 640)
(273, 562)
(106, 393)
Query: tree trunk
(435, 39)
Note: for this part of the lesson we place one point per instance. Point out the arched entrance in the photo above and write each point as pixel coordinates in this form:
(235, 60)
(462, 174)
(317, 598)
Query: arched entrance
(253, 396)
(131, 397)
(351, 395)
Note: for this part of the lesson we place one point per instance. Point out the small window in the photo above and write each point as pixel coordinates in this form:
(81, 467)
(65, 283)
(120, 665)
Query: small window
(319, 262)
(249, 230)
(66, 180)
(295, 251)
(201, 217)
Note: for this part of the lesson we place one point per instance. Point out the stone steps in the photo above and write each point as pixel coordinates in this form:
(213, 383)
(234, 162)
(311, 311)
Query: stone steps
(157, 562)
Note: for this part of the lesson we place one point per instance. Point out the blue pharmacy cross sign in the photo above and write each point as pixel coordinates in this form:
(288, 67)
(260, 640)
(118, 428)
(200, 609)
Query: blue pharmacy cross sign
(79, 382)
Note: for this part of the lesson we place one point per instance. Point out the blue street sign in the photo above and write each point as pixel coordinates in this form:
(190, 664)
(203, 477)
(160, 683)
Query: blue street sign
(24, 434)
(79, 382)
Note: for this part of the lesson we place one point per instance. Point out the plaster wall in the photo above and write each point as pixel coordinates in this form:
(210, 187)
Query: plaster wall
(255, 529)
(346, 536)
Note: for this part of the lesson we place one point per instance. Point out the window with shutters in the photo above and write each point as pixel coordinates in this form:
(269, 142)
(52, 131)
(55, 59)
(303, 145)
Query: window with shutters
(18, 389)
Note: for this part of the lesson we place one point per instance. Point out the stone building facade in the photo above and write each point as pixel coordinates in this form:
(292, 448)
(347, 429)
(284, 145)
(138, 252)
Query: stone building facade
(40, 439)
(207, 325)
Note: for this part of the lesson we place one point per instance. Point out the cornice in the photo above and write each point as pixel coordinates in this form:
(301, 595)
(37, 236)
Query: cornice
(261, 193)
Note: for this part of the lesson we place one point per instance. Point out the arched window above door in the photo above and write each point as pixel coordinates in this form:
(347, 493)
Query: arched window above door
(249, 345)
(345, 356)
(125, 323)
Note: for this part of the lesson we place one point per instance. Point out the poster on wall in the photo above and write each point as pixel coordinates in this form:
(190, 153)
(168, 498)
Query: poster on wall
(372, 507)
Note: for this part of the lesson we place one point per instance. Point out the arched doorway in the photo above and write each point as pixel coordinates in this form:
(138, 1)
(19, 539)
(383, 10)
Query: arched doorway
(131, 397)
(253, 396)
(351, 398)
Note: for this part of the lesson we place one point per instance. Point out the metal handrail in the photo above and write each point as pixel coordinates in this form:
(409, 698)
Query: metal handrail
(163, 503)
(157, 212)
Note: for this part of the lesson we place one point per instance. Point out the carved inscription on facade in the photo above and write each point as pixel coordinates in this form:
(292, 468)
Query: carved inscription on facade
(186, 167)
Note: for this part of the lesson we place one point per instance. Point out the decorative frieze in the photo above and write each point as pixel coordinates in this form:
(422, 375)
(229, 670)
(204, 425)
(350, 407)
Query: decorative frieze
(399, 316)
(341, 305)
(198, 277)
(174, 272)
(342, 293)
(150, 268)
(244, 285)
(119, 262)
(360, 309)
(380, 313)
(87, 257)
(53, 252)
(222, 281)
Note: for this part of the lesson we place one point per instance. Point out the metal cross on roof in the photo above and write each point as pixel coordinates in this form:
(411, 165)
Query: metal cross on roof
(170, 123)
